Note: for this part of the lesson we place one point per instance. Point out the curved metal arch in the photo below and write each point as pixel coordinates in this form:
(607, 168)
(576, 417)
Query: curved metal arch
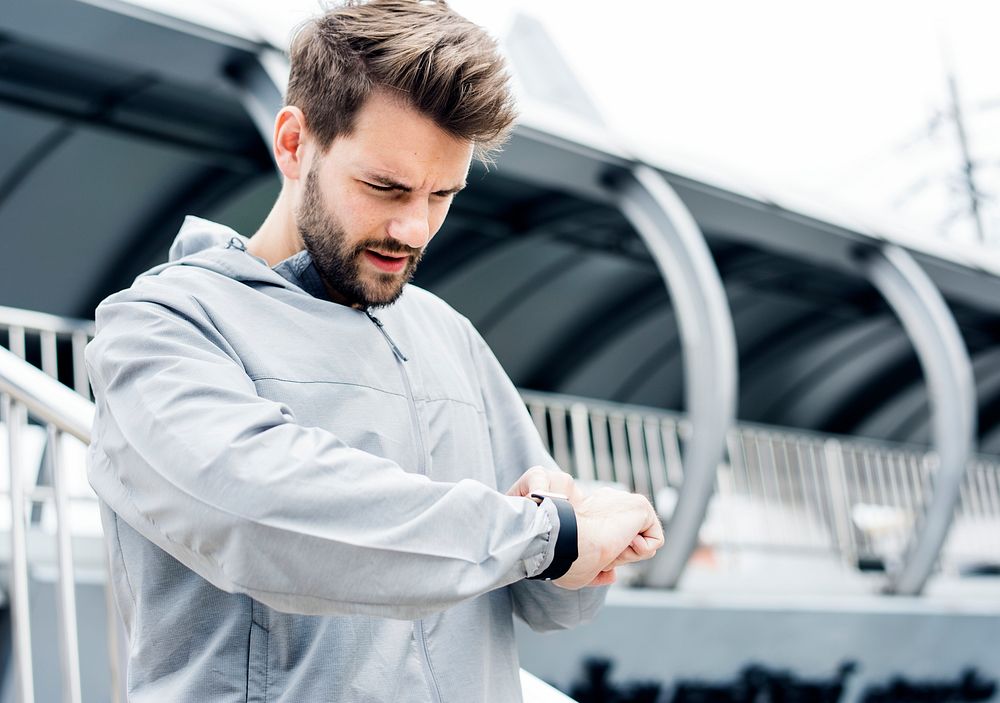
(950, 383)
(708, 342)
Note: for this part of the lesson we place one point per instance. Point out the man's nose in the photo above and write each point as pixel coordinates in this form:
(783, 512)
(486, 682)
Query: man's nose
(411, 227)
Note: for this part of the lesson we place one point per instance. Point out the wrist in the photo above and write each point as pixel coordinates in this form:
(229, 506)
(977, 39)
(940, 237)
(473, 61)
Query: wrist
(566, 548)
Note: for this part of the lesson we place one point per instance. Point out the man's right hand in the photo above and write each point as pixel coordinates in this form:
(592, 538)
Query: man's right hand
(613, 528)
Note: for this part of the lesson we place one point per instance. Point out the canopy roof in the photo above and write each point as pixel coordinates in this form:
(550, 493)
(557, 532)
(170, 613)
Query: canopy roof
(117, 125)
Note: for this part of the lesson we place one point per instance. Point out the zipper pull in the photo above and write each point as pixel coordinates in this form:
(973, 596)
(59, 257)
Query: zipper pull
(236, 243)
(381, 328)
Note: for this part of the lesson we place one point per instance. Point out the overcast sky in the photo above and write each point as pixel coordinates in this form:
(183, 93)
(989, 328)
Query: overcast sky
(830, 101)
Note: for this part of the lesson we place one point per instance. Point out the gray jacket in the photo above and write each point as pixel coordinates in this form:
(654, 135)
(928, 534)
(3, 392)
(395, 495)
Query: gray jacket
(306, 504)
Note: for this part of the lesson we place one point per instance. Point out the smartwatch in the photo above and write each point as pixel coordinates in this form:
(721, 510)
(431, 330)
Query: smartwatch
(566, 549)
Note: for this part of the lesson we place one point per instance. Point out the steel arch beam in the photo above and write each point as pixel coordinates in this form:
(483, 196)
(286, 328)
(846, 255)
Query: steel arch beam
(260, 81)
(708, 343)
(950, 387)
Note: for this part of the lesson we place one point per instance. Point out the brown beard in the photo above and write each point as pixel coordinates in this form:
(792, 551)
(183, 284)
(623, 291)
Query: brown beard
(339, 263)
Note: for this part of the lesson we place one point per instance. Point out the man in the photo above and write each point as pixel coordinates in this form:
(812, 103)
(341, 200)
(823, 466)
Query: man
(300, 457)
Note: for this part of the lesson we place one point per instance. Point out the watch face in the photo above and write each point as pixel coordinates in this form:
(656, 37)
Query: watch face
(549, 494)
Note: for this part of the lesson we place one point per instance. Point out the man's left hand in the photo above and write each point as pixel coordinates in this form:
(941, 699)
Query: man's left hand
(539, 479)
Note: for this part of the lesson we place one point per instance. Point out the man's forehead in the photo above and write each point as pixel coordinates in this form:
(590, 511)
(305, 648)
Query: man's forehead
(395, 139)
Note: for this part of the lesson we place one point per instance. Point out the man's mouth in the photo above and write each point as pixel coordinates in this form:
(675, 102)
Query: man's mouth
(388, 263)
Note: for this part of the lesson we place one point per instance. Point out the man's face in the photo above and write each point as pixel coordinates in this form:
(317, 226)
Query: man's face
(372, 202)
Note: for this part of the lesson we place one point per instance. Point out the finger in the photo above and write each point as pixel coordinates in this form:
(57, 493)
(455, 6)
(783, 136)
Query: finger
(604, 578)
(537, 479)
(562, 482)
(533, 480)
(629, 556)
(644, 546)
(653, 529)
(639, 549)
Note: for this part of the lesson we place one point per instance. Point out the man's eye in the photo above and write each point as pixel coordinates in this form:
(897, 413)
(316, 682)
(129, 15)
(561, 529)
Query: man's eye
(380, 189)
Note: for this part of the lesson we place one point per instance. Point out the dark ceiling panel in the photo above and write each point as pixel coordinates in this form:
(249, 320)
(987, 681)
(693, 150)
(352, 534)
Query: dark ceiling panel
(613, 363)
(246, 209)
(657, 380)
(788, 370)
(901, 418)
(76, 210)
(864, 371)
(552, 304)
(20, 135)
(475, 288)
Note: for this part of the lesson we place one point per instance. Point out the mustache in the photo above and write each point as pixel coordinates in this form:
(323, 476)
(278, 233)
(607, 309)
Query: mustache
(389, 246)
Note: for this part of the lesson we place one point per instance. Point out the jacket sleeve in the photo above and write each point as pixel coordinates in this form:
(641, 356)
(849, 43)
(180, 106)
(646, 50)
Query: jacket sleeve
(226, 482)
(516, 448)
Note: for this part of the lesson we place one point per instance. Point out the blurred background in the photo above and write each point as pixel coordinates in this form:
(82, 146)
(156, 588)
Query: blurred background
(739, 257)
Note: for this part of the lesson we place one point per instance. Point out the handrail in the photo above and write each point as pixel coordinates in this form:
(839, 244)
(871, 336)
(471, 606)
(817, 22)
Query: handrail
(25, 389)
(45, 397)
(42, 321)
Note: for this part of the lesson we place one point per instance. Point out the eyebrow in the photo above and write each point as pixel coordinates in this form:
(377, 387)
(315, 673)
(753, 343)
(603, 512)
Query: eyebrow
(396, 185)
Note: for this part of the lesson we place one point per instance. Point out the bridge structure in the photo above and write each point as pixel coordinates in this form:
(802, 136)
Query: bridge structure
(779, 380)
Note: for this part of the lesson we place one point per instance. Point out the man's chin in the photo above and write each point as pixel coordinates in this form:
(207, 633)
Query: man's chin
(369, 291)
(380, 296)
(383, 301)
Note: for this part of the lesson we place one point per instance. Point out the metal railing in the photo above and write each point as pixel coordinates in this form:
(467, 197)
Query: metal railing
(779, 490)
(52, 343)
(30, 399)
(776, 490)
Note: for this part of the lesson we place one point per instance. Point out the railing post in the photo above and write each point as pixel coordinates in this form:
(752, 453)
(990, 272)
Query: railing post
(583, 453)
(16, 337)
(836, 484)
(15, 417)
(68, 643)
(81, 384)
(113, 640)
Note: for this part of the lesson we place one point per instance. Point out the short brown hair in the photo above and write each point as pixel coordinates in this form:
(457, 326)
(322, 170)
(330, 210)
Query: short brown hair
(446, 67)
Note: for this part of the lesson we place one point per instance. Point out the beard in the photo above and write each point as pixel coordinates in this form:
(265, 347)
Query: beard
(339, 262)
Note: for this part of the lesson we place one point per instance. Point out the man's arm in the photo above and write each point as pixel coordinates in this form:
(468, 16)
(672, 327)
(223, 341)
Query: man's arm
(517, 446)
(228, 483)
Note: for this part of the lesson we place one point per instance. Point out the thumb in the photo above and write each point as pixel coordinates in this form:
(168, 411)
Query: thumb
(533, 480)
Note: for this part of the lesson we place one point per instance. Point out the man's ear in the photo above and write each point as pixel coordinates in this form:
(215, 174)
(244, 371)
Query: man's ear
(289, 133)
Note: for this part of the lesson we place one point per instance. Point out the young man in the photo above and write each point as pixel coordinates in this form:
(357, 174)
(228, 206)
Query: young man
(301, 458)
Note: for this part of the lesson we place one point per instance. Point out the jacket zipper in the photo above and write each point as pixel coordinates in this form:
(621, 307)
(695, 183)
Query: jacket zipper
(418, 625)
(395, 350)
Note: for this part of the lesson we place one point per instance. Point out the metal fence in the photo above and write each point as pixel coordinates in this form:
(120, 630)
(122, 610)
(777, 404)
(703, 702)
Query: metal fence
(52, 343)
(776, 491)
(41, 421)
(779, 490)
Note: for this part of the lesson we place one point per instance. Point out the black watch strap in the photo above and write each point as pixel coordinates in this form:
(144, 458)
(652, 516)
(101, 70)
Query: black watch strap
(566, 549)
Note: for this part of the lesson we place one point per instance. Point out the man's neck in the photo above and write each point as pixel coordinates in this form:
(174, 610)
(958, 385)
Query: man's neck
(277, 238)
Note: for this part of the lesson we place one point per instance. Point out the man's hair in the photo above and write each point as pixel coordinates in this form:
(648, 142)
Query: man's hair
(443, 65)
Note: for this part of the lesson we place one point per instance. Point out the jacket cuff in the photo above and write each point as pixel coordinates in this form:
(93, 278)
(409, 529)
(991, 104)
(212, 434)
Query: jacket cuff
(537, 563)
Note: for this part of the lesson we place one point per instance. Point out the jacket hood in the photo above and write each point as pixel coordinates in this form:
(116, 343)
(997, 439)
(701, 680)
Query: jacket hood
(209, 245)
(197, 235)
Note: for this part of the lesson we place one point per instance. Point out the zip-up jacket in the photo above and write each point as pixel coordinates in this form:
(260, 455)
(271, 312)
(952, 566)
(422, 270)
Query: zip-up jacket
(304, 501)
